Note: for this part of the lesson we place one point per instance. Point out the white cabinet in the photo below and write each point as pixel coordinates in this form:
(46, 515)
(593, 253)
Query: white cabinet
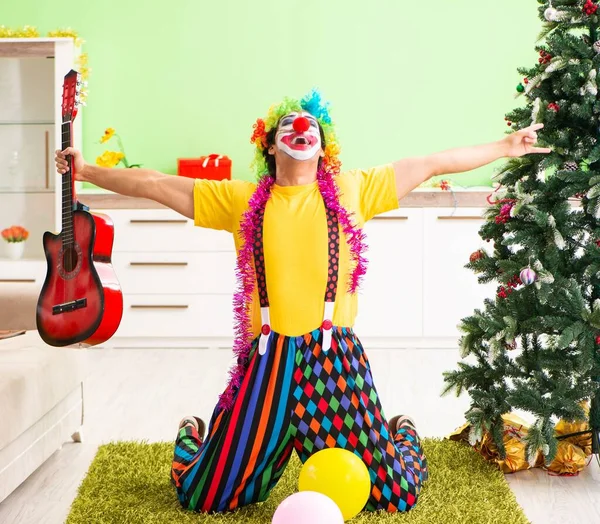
(177, 280)
(31, 77)
(450, 291)
(390, 300)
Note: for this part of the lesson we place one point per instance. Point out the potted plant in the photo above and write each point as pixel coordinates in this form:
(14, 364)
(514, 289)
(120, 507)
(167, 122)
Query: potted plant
(15, 236)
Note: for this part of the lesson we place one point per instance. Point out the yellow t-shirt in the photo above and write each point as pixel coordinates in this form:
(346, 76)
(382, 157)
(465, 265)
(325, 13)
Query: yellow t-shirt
(295, 241)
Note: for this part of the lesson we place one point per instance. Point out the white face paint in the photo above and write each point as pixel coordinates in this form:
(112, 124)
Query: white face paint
(300, 146)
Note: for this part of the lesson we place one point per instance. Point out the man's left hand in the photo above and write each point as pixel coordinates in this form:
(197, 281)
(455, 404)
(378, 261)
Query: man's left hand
(523, 142)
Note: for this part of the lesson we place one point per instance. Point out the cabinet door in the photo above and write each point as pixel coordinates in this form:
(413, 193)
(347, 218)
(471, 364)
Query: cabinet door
(451, 292)
(390, 303)
(27, 124)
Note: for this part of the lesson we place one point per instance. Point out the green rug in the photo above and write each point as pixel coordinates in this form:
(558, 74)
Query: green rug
(128, 482)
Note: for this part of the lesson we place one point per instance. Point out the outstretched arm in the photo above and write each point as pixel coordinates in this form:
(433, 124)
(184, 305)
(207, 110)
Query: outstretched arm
(412, 172)
(172, 191)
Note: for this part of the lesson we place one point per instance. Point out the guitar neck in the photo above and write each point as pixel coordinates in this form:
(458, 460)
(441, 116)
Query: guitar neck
(68, 187)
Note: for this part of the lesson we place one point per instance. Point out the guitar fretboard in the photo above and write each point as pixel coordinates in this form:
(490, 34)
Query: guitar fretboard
(67, 192)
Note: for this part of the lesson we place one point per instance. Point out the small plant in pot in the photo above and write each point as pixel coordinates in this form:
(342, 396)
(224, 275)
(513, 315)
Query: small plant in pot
(15, 236)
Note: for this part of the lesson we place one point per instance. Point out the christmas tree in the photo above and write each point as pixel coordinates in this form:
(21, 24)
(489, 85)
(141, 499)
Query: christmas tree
(536, 346)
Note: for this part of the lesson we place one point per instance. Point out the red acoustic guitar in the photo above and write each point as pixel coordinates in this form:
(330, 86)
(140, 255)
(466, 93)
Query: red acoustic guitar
(81, 300)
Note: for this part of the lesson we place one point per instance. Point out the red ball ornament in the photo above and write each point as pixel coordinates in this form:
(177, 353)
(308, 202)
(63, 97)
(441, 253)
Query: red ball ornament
(301, 124)
(553, 106)
(476, 256)
(525, 81)
(598, 340)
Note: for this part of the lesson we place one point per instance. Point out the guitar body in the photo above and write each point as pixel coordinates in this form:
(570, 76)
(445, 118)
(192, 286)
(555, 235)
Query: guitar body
(81, 301)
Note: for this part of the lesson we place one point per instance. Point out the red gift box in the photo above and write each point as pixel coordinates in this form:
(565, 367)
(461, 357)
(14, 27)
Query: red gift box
(213, 167)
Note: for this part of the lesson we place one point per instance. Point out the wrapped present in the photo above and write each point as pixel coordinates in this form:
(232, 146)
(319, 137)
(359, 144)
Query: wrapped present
(570, 457)
(213, 167)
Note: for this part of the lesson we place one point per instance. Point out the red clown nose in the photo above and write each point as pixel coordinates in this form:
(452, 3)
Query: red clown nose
(301, 124)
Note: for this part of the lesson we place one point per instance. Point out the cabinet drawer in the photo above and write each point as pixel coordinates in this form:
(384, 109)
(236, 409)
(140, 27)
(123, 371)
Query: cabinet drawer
(23, 272)
(390, 301)
(176, 273)
(163, 230)
(176, 316)
(450, 291)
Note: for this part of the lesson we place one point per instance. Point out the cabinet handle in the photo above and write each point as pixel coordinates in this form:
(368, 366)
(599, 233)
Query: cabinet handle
(158, 263)
(156, 221)
(461, 218)
(47, 144)
(16, 280)
(390, 218)
(159, 306)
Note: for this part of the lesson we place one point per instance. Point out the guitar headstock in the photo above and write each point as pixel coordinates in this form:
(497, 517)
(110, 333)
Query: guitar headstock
(71, 95)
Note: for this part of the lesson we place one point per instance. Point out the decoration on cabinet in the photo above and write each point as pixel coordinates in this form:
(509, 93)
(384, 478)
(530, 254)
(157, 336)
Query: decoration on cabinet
(113, 158)
(15, 237)
(81, 62)
(212, 167)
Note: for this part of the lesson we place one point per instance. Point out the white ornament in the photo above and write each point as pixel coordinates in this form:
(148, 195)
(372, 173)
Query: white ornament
(596, 46)
(552, 15)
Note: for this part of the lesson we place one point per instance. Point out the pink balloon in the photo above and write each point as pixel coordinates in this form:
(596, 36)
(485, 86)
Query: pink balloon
(308, 507)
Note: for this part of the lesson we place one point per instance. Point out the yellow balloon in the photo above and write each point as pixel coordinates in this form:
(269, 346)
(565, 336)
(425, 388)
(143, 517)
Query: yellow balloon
(339, 474)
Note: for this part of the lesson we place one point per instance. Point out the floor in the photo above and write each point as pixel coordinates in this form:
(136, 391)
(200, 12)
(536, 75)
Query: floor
(142, 394)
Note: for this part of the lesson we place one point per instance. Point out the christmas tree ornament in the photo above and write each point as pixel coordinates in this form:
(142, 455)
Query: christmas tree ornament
(551, 14)
(545, 57)
(477, 255)
(570, 166)
(598, 340)
(520, 88)
(596, 47)
(553, 106)
(525, 80)
(590, 8)
(528, 276)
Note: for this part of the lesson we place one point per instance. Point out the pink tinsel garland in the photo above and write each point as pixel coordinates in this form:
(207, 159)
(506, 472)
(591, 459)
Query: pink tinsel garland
(246, 275)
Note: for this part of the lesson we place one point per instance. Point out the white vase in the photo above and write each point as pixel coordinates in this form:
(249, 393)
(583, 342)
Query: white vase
(15, 250)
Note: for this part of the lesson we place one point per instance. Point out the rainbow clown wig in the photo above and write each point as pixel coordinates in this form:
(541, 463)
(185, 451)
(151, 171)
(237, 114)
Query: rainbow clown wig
(328, 169)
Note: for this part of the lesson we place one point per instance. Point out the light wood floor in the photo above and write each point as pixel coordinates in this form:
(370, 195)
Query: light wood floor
(143, 393)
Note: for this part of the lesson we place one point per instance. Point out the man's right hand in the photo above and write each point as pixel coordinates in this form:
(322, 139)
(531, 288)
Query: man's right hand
(62, 164)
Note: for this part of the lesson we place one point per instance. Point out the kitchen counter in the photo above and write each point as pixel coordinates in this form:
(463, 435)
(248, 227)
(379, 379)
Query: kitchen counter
(417, 198)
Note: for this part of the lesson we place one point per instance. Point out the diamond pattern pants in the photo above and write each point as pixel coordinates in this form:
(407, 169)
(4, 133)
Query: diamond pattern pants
(298, 396)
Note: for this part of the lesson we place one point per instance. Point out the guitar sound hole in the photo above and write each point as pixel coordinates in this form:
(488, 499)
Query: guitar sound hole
(70, 259)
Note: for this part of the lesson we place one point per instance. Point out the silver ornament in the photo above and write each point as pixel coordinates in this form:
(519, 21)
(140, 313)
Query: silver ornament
(596, 46)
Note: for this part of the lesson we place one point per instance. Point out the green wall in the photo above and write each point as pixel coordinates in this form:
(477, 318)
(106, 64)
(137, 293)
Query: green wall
(189, 77)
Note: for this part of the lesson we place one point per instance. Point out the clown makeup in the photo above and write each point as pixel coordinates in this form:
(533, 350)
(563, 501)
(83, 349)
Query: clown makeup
(302, 140)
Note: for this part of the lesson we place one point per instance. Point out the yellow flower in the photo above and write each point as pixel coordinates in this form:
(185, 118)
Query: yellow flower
(109, 158)
(108, 134)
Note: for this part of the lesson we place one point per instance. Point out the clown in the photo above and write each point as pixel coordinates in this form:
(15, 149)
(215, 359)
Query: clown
(302, 381)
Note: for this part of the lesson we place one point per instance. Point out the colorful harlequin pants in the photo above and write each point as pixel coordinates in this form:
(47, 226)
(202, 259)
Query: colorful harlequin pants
(297, 396)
